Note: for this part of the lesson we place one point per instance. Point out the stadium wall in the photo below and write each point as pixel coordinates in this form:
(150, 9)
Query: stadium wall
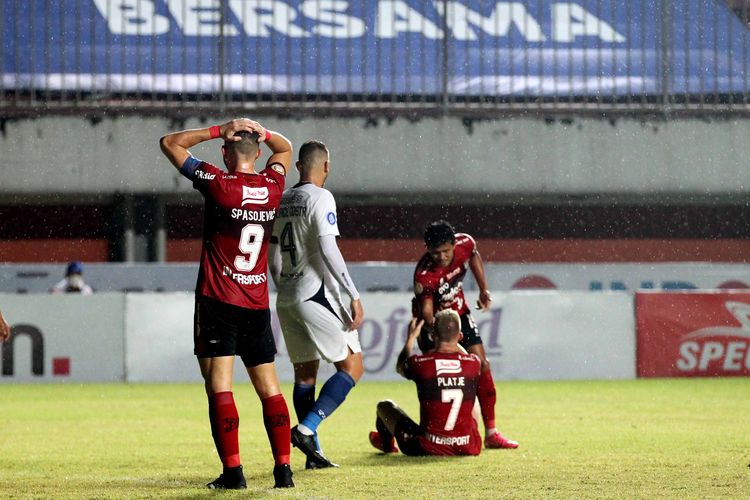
(148, 337)
(443, 157)
(528, 335)
(397, 277)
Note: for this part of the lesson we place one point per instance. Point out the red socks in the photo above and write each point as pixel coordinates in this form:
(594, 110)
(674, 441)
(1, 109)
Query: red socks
(487, 398)
(225, 424)
(276, 420)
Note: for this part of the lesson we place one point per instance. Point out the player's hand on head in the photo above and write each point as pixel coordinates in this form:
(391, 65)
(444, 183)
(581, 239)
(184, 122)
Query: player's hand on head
(259, 129)
(358, 314)
(237, 125)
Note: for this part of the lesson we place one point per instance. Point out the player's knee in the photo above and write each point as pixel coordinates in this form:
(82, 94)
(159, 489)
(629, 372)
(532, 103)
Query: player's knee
(352, 365)
(386, 406)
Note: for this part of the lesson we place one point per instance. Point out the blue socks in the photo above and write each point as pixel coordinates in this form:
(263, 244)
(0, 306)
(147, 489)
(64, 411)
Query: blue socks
(303, 399)
(331, 396)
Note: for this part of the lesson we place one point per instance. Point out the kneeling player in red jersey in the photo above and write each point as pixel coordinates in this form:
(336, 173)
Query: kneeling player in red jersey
(447, 382)
(438, 285)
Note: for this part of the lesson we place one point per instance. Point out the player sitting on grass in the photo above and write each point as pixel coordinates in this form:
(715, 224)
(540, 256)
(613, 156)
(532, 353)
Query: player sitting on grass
(447, 382)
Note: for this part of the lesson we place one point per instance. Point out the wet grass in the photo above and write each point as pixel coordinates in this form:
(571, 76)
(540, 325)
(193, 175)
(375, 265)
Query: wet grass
(614, 439)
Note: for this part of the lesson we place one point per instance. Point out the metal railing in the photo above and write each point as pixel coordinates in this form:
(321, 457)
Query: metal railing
(461, 57)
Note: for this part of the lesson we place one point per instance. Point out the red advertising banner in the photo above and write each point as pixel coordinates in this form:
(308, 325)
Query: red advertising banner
(693, 334)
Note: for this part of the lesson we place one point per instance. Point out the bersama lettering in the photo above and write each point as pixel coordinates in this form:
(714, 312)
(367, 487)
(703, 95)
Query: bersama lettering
(392, 18)
(253, 215)
(249, 279)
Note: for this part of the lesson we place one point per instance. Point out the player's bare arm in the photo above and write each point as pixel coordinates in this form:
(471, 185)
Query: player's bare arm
(175, 146)
(358, 314)
(415, 326)
(4, 329)
(428, 311)
(280, 146)
(477, 268)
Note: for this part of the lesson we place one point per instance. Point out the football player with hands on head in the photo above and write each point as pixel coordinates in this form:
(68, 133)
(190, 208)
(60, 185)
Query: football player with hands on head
(310, 276)
(447, 380)
(232, 315)
(438, 286)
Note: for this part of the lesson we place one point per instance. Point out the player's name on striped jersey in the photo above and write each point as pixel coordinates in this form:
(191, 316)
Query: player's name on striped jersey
(254, 215)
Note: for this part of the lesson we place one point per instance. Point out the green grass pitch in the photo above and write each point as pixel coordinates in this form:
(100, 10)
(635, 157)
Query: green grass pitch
(608, 439)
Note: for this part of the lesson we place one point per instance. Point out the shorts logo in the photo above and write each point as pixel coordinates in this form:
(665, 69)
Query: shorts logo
(445, 366)
(331, 218)
(254, 195)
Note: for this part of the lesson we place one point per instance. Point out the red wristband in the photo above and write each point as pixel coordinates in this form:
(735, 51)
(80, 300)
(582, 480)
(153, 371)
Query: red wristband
(267, 137)
(215, 132)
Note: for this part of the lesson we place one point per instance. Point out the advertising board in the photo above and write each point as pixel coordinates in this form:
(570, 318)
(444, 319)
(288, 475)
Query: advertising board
(693, 334)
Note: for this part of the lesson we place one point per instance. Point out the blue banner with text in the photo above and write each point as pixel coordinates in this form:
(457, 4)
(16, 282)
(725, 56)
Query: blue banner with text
(545, 48)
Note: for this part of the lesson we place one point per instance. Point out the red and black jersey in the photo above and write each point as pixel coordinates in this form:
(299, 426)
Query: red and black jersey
(446, 387)
(239, 213)
(444, 285)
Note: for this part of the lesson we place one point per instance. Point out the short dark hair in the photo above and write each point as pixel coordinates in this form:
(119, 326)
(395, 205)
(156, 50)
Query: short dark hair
(439, 232)
(248, 146)
(311, 152)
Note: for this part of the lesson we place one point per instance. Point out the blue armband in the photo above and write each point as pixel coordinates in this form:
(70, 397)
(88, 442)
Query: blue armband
(190, 166)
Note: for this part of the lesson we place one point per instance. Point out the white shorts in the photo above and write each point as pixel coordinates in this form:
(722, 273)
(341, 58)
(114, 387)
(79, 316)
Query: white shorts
(312, 331)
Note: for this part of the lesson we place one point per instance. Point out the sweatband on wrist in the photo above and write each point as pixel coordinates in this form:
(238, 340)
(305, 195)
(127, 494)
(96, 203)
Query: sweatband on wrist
(215, 132)
(268, 136)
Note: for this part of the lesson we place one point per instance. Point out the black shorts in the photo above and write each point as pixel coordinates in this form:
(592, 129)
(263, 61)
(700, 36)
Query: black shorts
(226, 330)
(407, 436)
(468, 328)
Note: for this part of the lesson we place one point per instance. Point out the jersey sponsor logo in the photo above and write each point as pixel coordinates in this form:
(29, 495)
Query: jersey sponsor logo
(254, 195)
(287, 210)
(204, 175)
(449, 440)
(331, 218)
(278, 169)
(271, 180)
(249, 279)
(447, 366)
(453, 273)
(451, 295)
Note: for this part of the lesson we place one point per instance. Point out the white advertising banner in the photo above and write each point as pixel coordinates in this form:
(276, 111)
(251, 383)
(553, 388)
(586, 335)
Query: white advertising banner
(569, 335)
(159, 338)
(60, 338)
(148, 337)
